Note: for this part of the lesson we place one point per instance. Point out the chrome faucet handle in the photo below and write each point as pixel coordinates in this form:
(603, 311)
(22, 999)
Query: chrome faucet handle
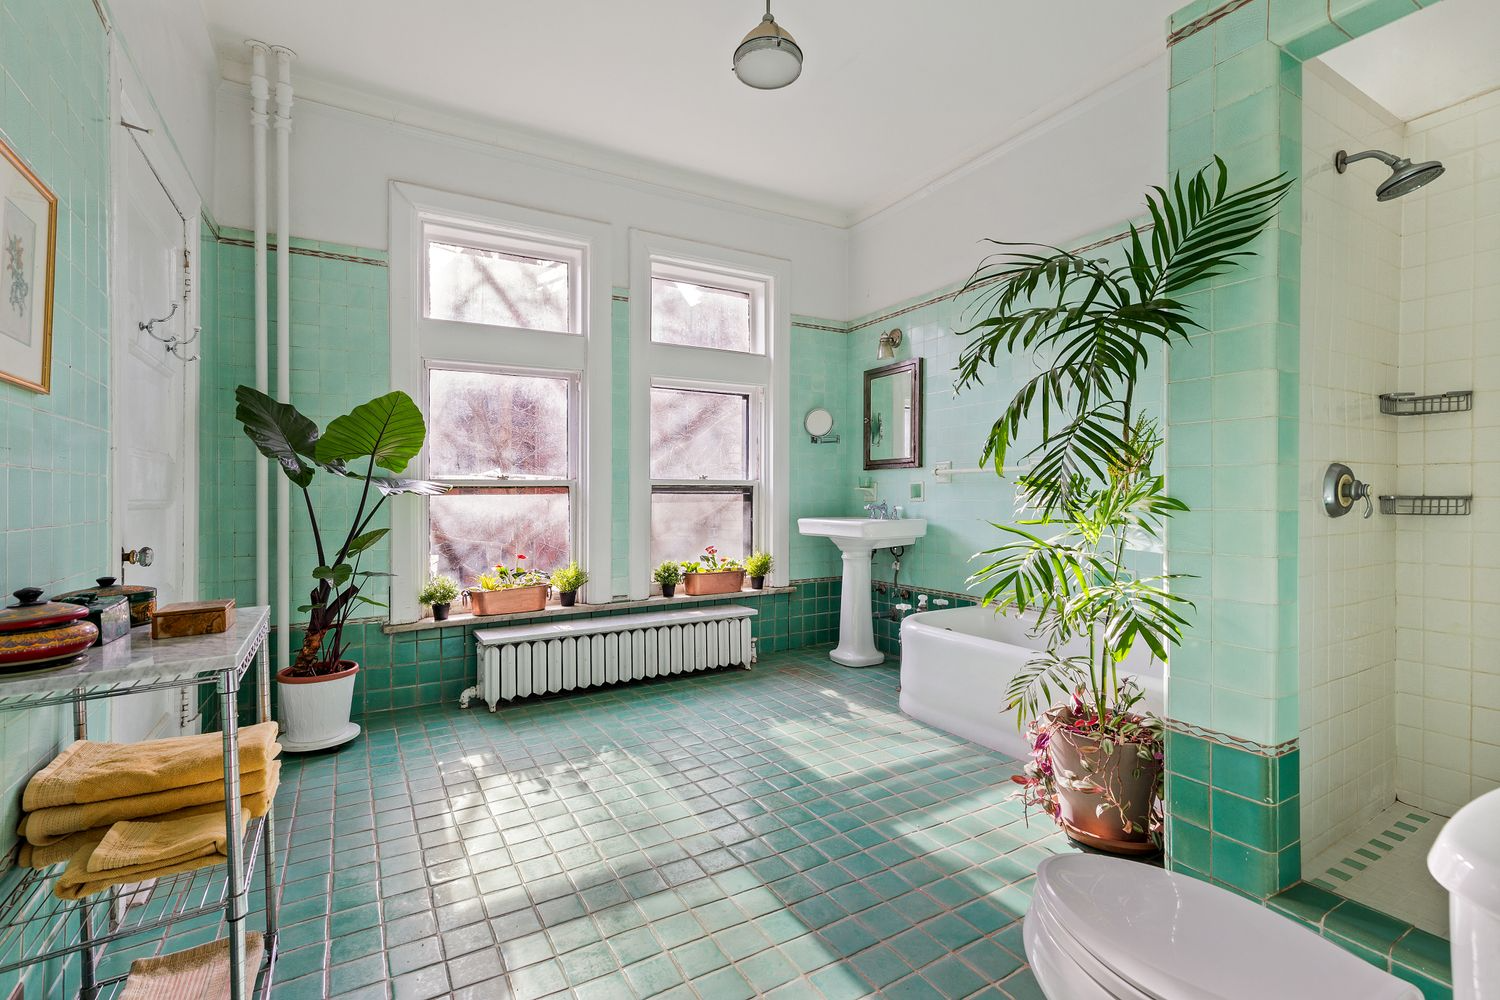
(878, 511)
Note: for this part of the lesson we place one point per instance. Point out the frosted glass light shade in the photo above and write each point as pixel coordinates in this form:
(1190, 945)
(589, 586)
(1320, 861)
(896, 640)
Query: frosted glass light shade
(768, 57)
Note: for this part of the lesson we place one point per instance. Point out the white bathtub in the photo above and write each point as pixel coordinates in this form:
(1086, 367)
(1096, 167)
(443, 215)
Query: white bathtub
(957, 664)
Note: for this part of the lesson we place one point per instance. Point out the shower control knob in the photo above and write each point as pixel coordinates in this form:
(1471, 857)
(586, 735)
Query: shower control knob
(1341, 489)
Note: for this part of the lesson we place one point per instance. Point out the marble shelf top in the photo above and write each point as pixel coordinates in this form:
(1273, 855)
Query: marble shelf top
(139, 660)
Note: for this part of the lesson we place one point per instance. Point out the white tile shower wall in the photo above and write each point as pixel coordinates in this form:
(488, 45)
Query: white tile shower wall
(1351, 269)
(1448, 568)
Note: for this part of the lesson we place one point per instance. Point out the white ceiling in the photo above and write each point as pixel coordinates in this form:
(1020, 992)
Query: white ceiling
(893, 95)
(1426, 61)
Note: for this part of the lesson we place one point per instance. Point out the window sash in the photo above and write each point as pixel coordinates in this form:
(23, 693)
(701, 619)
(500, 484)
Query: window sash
(707, 276)
(477, 236)
(749, 491)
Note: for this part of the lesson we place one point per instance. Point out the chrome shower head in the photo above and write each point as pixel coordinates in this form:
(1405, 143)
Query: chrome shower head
(1405, 178)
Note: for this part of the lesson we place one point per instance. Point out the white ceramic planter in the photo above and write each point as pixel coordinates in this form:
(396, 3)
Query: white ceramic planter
(315, 710)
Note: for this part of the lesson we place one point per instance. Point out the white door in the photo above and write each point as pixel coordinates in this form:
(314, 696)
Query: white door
(151, 440)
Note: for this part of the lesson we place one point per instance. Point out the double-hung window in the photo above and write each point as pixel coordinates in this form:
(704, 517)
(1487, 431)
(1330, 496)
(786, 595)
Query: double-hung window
(500, 329)
(709, 352)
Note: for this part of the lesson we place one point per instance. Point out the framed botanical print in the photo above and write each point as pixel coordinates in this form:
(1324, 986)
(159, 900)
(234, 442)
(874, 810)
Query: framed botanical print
(28, 247)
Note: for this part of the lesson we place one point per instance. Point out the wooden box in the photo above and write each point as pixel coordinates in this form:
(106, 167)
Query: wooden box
(173, 621)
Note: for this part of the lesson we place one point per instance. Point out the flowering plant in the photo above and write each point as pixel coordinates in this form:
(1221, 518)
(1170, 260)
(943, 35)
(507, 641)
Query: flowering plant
(711, 562)
(511, 578)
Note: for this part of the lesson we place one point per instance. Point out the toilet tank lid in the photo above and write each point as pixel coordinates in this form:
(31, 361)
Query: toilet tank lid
(1171, 935)
(1465, 858)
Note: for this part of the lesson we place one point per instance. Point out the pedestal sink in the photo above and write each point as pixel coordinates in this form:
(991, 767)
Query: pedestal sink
(858, 538)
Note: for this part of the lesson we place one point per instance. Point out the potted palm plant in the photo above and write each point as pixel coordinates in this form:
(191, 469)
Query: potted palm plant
(439, 593)
(315, 692)
(566, 581)
(509, 590)
(1090, 328)
(711, 574)
(758, 566)
(667, 576)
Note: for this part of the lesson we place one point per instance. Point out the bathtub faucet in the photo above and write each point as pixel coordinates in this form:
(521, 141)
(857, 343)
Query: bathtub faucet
(879, 511)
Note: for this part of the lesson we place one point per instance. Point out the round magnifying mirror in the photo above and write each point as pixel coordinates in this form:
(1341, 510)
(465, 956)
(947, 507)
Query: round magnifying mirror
(818, 422)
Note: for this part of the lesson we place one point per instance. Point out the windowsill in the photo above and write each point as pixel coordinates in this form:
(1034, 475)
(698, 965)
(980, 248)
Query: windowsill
(558, 611)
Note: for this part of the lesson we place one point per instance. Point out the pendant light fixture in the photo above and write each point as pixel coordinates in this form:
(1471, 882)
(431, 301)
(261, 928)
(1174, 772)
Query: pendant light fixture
(768, 58)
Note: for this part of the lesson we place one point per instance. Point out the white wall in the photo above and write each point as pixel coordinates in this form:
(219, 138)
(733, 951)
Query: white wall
(342, 162)
(1064, 179)
(1448, 569)
(168, 45)
(1351, 246)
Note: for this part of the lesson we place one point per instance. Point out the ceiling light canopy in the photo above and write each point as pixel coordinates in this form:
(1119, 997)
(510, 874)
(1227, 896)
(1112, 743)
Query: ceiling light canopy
(768, 58)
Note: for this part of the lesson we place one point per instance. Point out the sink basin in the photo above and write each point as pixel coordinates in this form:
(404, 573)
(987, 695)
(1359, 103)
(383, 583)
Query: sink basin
(858, 538)
(864, 533)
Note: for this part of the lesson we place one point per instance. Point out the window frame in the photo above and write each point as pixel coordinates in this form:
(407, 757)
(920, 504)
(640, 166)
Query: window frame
(504, 239)
(765, 374)
(419, 343)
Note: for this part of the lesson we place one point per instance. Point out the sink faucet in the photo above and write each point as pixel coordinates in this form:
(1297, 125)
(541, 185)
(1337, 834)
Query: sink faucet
(878, 511)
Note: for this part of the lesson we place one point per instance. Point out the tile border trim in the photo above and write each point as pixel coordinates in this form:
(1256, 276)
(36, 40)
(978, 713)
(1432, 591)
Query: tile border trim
(1205, 21)
(1227, 740)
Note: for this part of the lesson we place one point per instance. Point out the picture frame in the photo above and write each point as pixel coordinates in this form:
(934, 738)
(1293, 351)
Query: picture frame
(28, 264)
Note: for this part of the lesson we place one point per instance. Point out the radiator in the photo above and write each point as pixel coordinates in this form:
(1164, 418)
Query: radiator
(523, 660)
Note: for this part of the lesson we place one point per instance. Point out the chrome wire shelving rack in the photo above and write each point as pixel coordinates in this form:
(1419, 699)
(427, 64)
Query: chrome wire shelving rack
(38, 927)
(1409, 404)
(1426, 506)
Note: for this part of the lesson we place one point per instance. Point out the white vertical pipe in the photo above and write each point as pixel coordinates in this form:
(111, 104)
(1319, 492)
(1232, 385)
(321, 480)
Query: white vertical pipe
(259, 93)
(283, 334)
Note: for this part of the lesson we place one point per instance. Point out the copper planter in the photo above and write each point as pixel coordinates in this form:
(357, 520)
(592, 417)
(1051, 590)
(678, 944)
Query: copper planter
(508, 602)
(722, 582)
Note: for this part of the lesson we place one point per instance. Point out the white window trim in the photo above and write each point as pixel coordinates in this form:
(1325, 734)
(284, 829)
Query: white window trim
(652, 363)
(416, 341)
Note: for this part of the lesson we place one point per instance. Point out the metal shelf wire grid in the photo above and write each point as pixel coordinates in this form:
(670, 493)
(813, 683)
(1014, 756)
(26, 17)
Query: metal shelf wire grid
(1429, 506)
(39, 926)
(1409, 404)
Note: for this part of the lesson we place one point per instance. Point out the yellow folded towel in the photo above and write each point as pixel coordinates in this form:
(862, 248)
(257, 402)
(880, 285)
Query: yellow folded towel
(47, 826)
(55, 853)
(200, 973)
(96, 772)
(77, 881)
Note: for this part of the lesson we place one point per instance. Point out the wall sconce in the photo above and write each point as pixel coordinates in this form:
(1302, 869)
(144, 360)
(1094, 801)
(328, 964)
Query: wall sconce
(889, 341)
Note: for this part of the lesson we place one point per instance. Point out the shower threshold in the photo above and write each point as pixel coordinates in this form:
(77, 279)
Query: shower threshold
(1383, 865)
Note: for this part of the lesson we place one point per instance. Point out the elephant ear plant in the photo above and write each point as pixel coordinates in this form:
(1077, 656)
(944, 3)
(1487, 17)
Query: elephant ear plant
(385, 433)
(1091, 328)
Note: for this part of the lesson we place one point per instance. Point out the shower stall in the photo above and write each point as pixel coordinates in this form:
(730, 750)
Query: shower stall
(1399, 611)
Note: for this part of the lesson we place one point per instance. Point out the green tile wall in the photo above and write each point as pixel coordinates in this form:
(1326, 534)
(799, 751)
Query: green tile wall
(54, 449)
(1232, 404)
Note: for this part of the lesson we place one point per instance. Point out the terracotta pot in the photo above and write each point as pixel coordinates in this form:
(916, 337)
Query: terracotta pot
(314, 711)
(1098, 791)
(440, 612)
(509, 602)
(567, 598)
(723, 582)
(669, 590)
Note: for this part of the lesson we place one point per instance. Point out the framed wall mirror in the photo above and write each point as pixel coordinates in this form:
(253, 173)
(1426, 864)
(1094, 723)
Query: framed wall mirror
(893, 416)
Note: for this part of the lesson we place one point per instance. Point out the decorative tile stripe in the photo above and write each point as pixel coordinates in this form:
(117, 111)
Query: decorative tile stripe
(1206, 21)
(1225, 739)
(235, 241)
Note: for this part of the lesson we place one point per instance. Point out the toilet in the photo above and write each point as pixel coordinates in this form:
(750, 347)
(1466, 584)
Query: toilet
(1105, 929)
(1465, 859)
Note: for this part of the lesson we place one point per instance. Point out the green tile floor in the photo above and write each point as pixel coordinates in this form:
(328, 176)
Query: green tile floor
(784, 831)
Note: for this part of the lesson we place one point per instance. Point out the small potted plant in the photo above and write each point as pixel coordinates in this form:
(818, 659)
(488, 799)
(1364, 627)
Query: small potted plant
(509, 590)
(713, 575)
(667, 576)
(439, 593)
(758, 566)
(566, 581)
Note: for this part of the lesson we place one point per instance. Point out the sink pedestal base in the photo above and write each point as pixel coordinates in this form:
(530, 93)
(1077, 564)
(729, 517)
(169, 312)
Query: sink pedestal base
(856, 646)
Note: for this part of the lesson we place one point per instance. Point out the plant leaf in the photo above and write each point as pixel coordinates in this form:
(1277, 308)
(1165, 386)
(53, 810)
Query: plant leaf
(360, 543)
(388, 429)
(279, 432)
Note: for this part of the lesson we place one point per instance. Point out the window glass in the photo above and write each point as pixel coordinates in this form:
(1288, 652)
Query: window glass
(684, 521)
(694, 315)
(497, 288)
(493, 423)
(472, 529)
(697, 434)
